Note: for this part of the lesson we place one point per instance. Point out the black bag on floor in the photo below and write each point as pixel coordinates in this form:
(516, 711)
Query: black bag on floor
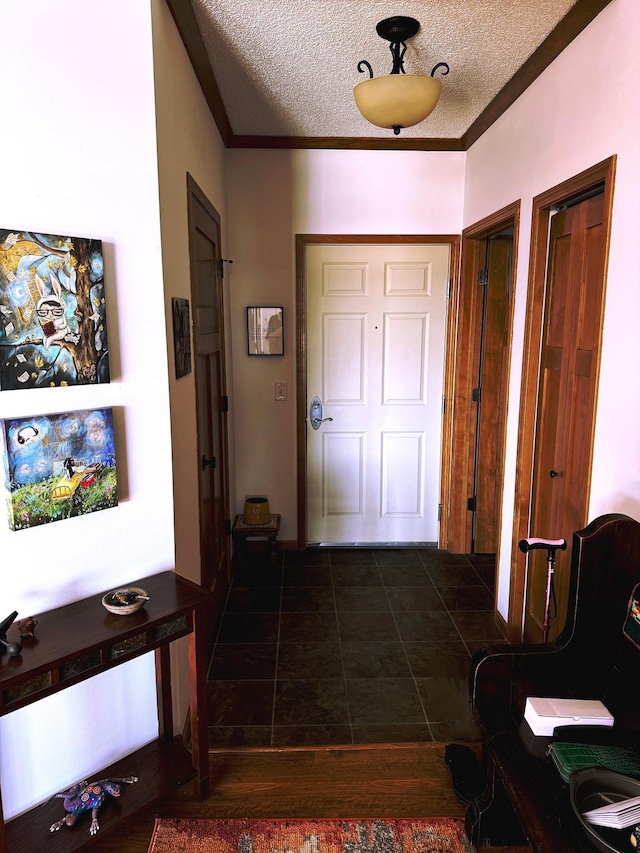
(466, 778)
(491, 821)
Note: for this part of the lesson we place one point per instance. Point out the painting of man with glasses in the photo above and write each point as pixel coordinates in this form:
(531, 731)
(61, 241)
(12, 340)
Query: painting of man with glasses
(53, 327)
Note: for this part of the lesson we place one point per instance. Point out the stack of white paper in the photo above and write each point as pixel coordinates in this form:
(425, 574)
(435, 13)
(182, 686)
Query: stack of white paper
(618, 815)
(544, 714)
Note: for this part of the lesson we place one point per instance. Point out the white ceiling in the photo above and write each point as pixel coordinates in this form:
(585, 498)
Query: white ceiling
(287, 68)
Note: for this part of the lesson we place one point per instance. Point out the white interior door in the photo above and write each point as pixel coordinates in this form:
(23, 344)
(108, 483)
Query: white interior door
(376, 321)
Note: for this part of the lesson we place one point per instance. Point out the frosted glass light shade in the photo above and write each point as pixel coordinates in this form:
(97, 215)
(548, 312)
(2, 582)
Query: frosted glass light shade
(398, 100)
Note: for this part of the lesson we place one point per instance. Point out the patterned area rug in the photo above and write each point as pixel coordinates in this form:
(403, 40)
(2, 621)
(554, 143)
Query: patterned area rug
(432, 835)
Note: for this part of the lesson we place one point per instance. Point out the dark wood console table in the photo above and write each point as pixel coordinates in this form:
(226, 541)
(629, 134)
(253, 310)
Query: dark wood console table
(76, 642)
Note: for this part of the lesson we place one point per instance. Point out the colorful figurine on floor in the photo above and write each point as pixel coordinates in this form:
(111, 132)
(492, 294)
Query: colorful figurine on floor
(88, 796)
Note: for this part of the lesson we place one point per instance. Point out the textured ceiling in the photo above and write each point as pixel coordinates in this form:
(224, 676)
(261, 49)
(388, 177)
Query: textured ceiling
(287, 68)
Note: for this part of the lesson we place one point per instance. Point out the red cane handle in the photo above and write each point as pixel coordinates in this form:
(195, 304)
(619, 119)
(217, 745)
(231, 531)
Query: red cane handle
(534, 543)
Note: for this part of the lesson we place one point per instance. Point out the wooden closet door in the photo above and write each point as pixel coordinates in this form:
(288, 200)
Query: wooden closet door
(566, 398)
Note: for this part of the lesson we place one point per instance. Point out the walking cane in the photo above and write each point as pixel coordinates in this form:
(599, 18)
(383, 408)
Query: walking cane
(552, 545)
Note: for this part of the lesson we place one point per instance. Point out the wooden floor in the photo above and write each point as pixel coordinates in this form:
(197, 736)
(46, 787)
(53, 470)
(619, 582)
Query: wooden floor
(407, 780)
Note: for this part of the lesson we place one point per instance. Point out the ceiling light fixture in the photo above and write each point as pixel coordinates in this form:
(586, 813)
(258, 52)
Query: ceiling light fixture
(399, 99)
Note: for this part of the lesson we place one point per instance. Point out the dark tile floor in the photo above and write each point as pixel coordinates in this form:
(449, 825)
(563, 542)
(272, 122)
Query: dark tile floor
(349, 646)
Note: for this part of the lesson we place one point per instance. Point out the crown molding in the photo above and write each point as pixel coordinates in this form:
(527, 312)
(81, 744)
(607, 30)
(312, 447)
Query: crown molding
(573, 23)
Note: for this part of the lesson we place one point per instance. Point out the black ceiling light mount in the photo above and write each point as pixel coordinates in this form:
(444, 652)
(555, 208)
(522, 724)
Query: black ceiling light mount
(400, 99)
(396, 31)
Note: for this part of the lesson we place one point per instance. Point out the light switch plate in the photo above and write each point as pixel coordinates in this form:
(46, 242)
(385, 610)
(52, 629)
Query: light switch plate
(280, 392)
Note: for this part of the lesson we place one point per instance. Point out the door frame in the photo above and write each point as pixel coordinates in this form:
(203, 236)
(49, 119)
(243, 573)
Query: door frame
(304, 240)
(600, 175)
(196, 196)
(461, 463)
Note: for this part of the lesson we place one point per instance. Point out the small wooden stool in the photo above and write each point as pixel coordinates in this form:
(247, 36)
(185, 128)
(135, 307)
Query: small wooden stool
(242, 531)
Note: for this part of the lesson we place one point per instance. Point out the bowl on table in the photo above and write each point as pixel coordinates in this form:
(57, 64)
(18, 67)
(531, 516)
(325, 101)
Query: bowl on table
(125, 601)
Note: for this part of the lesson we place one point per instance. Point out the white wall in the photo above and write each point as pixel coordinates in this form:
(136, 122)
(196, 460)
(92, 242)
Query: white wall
(272, 196)
(583, 109)
(188, 141)
(79, 158)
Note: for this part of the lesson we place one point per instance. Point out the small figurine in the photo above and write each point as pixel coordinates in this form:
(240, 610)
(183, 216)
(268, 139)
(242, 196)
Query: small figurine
(87, 796)
(14, 649)
(27, 626)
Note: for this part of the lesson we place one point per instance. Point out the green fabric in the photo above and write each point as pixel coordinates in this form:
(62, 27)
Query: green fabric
(569, 757)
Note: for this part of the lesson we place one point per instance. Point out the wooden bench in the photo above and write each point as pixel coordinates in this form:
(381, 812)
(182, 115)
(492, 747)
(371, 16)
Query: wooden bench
(592, 659)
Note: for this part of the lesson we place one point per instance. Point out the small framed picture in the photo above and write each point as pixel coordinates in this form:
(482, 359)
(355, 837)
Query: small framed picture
(181, 336)
(265, 333)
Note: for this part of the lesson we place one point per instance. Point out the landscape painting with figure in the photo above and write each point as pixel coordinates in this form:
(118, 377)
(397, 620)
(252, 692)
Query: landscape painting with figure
(53, 328)
(59, 466)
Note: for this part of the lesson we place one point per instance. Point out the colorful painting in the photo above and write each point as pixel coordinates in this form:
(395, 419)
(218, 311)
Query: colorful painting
(53, 328)
(59, 466)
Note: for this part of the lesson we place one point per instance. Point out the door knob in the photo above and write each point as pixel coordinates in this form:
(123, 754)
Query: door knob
(315, 413)
(553, 474)
(210, 462)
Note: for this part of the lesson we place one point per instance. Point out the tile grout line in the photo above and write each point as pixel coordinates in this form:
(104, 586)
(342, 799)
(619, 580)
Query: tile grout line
(404, 651)
(275, 671)
(214, 643)
(449, 612)
(344, 674)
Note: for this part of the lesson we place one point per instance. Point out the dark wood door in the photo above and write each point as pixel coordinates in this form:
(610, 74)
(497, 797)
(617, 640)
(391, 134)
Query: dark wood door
(473, 464)
(492, 370)
(566, 398)
(211, 400)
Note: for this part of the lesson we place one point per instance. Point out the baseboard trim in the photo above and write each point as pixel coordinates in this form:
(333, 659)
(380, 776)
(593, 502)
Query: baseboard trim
(281, 545)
